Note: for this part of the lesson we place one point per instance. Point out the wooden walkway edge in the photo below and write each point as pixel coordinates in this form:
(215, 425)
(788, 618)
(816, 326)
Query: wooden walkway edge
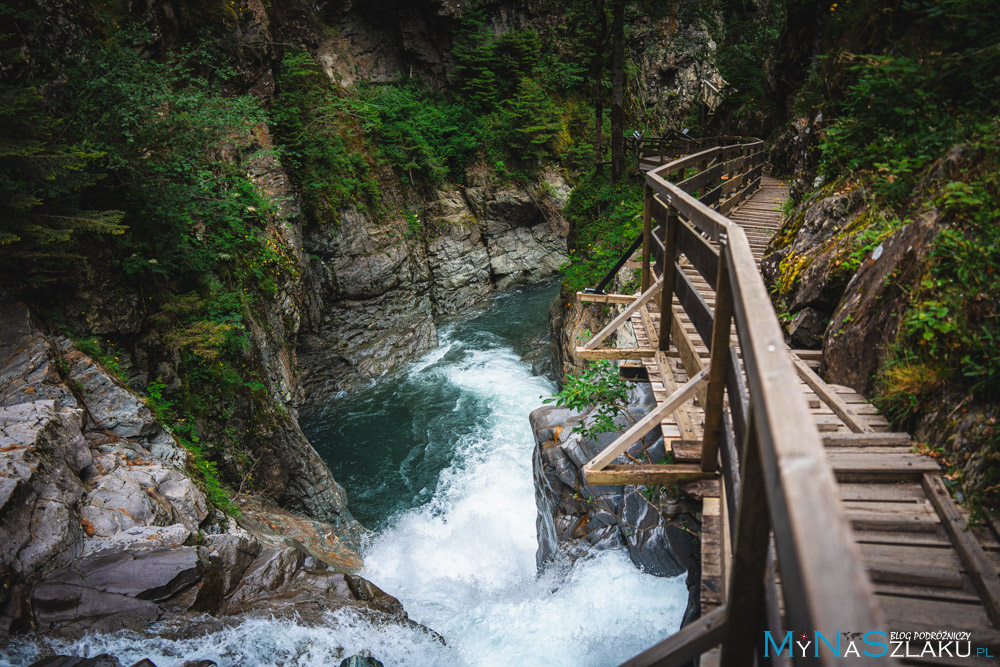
(926, 570)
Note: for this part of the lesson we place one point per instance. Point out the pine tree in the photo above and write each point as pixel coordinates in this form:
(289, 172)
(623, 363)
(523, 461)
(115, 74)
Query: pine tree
(42, 183)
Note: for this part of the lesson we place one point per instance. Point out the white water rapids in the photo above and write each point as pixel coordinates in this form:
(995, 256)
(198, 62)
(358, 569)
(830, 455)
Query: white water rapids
(462, 562)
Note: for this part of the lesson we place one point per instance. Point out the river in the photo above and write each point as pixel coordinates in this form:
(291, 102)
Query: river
(436, 460)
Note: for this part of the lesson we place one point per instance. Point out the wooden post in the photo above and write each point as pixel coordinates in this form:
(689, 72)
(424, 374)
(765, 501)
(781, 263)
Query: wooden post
(669, 266)
(647, 237)
(715, 394)
(746, 582)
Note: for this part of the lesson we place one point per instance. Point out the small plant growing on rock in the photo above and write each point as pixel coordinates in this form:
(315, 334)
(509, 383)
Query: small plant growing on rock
(601, 389)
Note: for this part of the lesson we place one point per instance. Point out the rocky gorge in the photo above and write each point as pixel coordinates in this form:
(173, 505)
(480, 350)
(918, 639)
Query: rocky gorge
(105, 530)
(135, 496)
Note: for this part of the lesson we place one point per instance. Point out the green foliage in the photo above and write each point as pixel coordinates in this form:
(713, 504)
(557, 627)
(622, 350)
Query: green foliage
(321, 139)
(417, 130)
(525, 95)
(529, 121)
(606, 218)
(43, 182)
(896, 109)
(156, 152)
(177, 151)
(599, 388)
(489, 67)
(749, 43)
(955, 320)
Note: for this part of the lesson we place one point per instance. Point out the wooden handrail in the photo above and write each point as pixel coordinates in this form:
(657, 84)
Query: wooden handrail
(824, 583)
(783, 482)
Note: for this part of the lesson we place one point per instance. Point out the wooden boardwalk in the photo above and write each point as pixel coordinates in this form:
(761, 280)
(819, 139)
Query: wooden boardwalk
(929, 571)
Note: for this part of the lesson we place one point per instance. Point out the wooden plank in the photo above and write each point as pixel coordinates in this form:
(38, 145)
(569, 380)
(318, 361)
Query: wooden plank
(980, 569)
(736, 389)
(647, 235)
(907, 612)
(685, 162)
(752, 539)
(703, 218)
(731, 468)
(862, 520)
(623, 316)
(669, 231)
(687, 451)
(687, 351)
(701, 179)
(681, 415)
(829, 397)
(920, 566)
(866, 439)
(966, 594)
(643, 473)
(686, 644)
(694, 305)
(711, 198)
(934, 538)
(652, 337)
(902, 492)
(616, 353)
(862, 467)
(711, 591)
(607, 298)
(644, 425)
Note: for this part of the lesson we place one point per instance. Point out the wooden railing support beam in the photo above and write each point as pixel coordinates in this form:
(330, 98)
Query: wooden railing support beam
(623, 316)
(715, 395)
(686, 644)
(647, 236)
(750, 549)
(669, 230)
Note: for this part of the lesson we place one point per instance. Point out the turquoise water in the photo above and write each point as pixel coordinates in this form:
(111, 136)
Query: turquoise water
(436, 459)
(388, 444)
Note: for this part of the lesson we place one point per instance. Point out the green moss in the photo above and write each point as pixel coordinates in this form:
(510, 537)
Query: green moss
(790, 272)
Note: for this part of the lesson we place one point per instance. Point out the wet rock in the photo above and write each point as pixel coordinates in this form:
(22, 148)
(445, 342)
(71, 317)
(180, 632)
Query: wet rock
(366, 591)
(574, 517)
(41, 451)
(655, 546)
(360, 661)
(807, 328)
(276, 527)
(139, 537)
(97, 516)
(109, 591)
(868, 317)
(384, 282)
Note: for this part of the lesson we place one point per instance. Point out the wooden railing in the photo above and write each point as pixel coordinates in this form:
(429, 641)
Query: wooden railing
(777, 481)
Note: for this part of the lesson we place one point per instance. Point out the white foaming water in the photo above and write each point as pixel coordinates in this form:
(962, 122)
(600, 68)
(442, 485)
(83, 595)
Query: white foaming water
(462, 564)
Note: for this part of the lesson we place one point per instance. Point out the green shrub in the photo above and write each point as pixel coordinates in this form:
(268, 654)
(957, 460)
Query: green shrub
(600, 389)
(44, 181)
(606, 219)
(417, 130)
(322, 141)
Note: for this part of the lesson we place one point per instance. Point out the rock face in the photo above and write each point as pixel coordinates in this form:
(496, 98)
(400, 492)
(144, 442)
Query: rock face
(383, 283)
(574, 517)
(102, 528)
(868, 317)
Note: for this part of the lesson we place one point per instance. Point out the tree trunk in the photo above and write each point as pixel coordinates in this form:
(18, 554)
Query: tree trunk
(597, 72)
(618, 91)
